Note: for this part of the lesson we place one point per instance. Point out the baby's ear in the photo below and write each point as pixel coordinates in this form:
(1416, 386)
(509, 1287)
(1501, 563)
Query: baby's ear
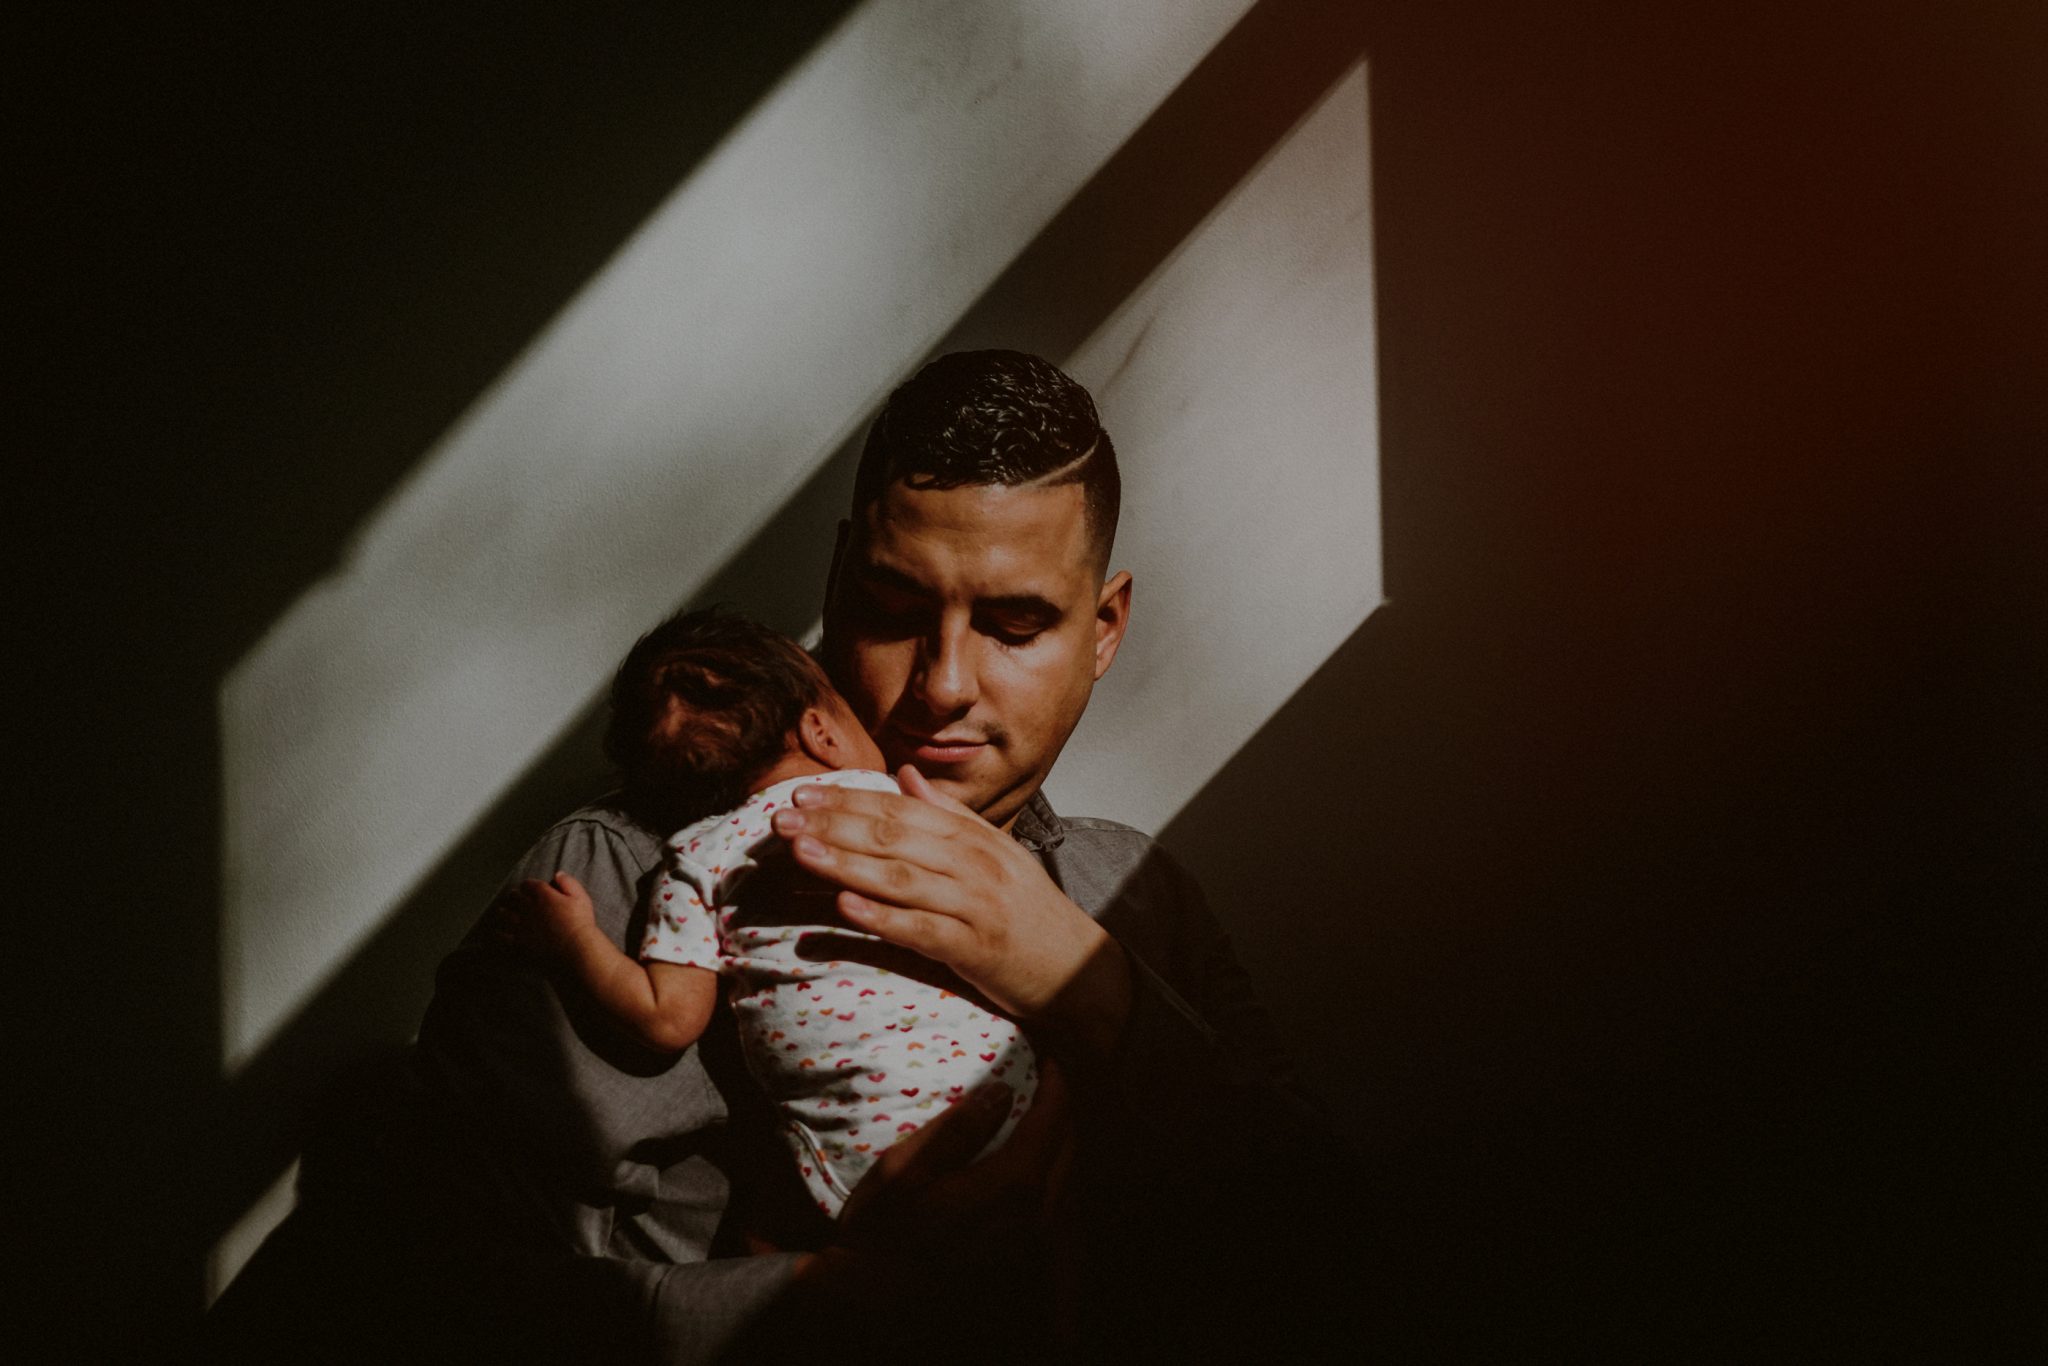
(815, 734)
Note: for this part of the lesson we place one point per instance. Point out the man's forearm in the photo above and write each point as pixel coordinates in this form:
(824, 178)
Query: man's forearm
(1087, 1019)
(1195, 1099)
(703, 1312)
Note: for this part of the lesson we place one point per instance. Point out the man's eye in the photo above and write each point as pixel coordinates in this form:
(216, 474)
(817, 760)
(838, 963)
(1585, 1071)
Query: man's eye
(1014, 632)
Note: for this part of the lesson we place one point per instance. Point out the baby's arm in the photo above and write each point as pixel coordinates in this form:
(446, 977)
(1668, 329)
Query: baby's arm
(666, 1004)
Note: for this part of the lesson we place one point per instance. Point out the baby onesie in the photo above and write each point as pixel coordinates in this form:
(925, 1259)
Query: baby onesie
(855, 1053)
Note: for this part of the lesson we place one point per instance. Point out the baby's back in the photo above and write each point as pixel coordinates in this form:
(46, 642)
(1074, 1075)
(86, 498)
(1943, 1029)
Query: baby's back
(857, 1041)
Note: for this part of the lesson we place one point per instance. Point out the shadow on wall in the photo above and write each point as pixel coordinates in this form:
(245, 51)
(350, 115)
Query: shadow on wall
(230, 1141)
(1592, 877)
(1115, 231)
(296, 247)
(1644, 886)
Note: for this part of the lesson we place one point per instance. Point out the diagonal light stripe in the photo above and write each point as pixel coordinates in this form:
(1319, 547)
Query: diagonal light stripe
(239, 1243)
(1238, 382)
(643, 437)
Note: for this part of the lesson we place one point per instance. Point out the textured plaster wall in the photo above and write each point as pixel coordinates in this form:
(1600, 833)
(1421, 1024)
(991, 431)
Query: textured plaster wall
(684, 395)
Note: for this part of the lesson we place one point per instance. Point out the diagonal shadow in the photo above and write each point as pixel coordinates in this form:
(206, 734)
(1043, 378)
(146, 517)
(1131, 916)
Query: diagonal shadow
(287, 246)
(1595, 1053)
(454, 200)
(1521, 188)
(1234, 106)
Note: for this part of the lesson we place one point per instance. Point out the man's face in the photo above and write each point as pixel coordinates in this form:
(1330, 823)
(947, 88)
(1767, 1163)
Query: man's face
(967, 627)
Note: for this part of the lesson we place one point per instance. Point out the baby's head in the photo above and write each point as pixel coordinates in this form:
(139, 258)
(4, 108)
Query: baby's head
(710, 707)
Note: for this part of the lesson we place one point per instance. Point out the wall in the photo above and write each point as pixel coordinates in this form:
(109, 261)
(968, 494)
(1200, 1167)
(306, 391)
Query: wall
(1601, 866)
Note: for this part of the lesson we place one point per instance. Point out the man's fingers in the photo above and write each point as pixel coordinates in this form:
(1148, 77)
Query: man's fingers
(568, 886)
(1012, 1181)
(920, 787)
(1045, 1125)
(952, 1139)
(877, 822)
(878, 835)
(896, 881)
(897, 849)
(1034, 1146)
(933, 934)
(943, 1146)
(865, 801)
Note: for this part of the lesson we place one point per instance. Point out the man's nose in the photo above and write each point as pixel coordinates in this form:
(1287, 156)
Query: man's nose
(947, 682)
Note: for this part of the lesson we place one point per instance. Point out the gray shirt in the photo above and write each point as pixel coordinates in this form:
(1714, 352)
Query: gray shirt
(599, 1148)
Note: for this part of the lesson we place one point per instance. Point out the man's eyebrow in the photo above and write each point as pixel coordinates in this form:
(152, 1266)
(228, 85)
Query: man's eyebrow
(1034, 605)
(1021, 604)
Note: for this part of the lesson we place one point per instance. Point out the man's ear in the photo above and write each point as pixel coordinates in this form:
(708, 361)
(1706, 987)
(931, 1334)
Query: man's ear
(817, 738)
(1112, 619)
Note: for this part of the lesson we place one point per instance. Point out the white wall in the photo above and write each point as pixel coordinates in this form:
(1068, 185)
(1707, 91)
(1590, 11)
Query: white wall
(654, 428)
(646, 434)
(1238, 384)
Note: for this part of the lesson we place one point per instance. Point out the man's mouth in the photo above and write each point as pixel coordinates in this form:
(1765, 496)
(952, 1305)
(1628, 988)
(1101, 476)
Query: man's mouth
(942, 748)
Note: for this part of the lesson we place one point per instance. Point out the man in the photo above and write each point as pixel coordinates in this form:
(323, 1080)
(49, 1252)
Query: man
(969, 614)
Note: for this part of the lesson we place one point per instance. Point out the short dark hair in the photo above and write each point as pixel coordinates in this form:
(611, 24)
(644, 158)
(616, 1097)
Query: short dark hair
(703, 705)
(994, 417)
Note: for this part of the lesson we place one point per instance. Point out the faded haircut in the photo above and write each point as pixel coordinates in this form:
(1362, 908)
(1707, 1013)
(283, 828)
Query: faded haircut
(994, 417)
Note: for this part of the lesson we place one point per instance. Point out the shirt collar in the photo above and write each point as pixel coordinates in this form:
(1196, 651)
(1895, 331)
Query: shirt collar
(1038, 827)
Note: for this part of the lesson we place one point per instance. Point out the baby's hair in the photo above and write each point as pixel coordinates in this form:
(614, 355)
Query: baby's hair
(703, 705)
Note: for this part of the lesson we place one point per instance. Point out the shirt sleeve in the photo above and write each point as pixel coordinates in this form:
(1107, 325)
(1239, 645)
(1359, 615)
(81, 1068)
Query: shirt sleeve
(681, 929)
(570, 1117)
(1201, 1075)
(1217, 1186)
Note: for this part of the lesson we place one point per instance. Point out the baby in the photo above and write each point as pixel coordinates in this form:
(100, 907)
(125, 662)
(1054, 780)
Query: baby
(715, 721)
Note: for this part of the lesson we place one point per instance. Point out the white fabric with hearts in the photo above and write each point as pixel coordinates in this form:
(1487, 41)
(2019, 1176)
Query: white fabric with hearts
(855, 1056)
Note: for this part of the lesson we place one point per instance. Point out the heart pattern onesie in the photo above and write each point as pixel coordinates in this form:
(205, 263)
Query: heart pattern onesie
(858, 1043)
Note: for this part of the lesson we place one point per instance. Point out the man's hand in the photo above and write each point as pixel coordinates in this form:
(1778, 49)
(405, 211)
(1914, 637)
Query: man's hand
(932, 1236)
(925, 872)
(545, 918)
(927, 1195)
